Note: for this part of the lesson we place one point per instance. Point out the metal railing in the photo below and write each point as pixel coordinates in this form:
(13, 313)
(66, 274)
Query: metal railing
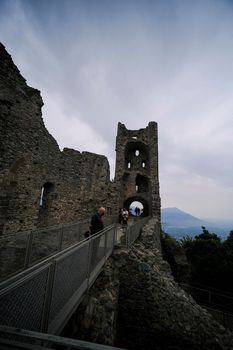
(24, 249)
(128, 234)
(22, 338)
(43, 297)
(218, 304)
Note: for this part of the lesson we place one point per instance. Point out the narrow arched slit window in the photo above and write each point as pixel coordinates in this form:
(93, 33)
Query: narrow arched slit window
(45, 194)
(41, 197)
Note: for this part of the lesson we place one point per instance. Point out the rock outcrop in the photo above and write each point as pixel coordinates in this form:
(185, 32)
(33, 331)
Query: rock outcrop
(136, 304)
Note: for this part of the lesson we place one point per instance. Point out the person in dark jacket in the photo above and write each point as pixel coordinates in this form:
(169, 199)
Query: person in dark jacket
(97, 221)
(96, 226)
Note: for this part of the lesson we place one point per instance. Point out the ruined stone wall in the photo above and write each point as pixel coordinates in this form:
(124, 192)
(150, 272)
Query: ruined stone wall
(75, 183)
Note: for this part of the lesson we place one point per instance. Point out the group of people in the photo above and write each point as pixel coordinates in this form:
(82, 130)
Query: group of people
(137, 211)
(123, 216)
(97, 224)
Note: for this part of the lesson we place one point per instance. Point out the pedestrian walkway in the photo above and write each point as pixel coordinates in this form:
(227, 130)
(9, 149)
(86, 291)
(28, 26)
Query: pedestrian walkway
(42, 297)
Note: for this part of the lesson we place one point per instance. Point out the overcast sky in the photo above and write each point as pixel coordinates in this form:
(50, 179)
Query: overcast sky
(99, 62)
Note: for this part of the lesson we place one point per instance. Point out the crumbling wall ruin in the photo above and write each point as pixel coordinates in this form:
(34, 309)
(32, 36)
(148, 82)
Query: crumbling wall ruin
(73, 183)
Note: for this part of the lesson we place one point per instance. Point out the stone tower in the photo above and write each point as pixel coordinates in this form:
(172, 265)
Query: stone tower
(136, 174)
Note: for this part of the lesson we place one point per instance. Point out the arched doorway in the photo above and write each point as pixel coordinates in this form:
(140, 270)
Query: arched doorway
(137, 202)
(136, 208)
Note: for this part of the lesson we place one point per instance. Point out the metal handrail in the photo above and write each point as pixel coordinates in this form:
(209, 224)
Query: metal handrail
(52, 227)
(219, 311)
(48, 340)
(132, 231)
(30, 247)
(43, 297)
(210, 294)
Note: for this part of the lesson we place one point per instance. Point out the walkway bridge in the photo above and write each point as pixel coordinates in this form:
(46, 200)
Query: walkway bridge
(51, 273)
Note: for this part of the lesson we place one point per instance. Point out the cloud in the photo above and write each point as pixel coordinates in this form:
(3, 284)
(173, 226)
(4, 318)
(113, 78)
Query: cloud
(97, 63)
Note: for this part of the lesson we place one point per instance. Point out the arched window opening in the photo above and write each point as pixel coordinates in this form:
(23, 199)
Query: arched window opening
(142, 184)
(143, 164)
(42, 197)
(45, 199)
(136, 153)
(45, 204)
(136, 188)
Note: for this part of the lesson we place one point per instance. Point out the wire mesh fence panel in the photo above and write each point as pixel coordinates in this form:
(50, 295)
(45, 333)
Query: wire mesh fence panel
(228, 320)
(44, 298)
(222, 301)
(218, 315)
(132, 234)
(12, 254)
(109, 220)
(39, 341)
(207, 297)
(134, 230)
(71, 234)
(100, 248)
(84, 227)
(224, 318)
(110, 240)
(200, 295)
(97, 250)
(120, 238)
(70, 273)
(22, 305)
(45, 243)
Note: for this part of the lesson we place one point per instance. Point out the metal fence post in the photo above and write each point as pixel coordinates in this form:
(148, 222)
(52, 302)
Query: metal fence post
(89, 254)
(61, 238)
(28, 250)
(48, 298)
(105, 245)
(126, 233)
(209, 299)
(115, 235)
(224, 319)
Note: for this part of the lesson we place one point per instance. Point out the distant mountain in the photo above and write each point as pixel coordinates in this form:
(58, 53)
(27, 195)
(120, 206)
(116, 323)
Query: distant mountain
(178, 218)
(179, 224)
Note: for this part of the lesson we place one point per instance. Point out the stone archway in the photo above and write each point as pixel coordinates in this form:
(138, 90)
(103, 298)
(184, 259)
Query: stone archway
(146, 211)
